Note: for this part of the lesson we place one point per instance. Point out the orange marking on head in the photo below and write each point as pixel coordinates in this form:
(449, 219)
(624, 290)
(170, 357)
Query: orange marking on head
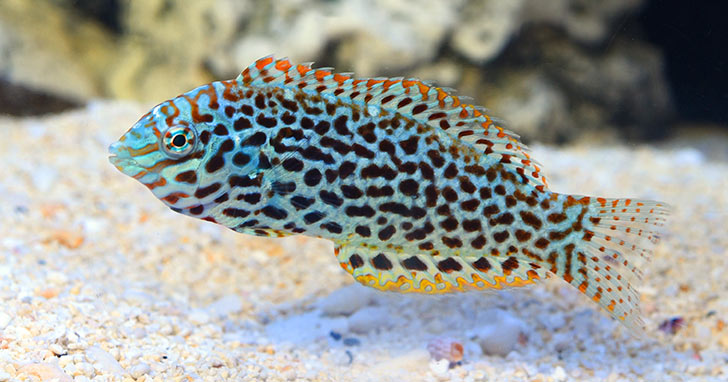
(152, 147)
(159, 183)
(602, 201)
(260, 64)
(174, 197)
(455, 101)
(140, 175)
(615, 202)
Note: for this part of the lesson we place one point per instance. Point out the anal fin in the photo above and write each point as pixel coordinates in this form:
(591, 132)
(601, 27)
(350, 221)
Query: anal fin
(390, 270)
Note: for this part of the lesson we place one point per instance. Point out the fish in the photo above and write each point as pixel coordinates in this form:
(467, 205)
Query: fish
(420, 191)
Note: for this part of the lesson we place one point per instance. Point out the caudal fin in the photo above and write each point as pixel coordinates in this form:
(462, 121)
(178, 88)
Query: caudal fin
(605, 256)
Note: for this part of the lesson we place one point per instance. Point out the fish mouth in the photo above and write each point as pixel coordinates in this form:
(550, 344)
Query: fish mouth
(121, 159)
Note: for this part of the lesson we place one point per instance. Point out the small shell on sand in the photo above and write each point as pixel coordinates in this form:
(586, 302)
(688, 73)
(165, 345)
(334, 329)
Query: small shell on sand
(446, 348)
(46, 372)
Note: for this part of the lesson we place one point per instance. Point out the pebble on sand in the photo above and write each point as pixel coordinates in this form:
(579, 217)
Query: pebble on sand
(501, 335)
(46, 372)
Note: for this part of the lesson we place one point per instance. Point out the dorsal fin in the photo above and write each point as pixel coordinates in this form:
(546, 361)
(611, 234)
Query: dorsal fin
(409, 97)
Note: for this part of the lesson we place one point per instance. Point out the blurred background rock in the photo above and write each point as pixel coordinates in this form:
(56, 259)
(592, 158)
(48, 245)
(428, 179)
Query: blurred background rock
(556, 70)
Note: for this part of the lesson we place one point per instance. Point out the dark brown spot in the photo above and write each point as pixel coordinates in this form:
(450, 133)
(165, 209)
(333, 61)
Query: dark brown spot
(559, 235)
(229, 111)
(470, 205)
(452, 242)
(340, 125)
(426, 246)
(414, 264)
(381, 262)
(451, 171)
(363, 231)
(530, 219)
(207, 191)
(482, 264)
(365, 211)
(491, 209)
(351, 192)
(522, 235)
(404, 102)
(479, 242)
(449, 265)
(330, 198)
(436, 158)
(247, 110)
(332, 227)
(356, 261)
(220, 129)
(475, 170)
(293, 164)
(274, 212)
(409, 146)
(485, 193)
(235, 212)
(312, 217)
(449, 224)
(556, 217)
(427, 171)
(312, 177)
(409, 187)
(505, 218)
(302, 202)
(471, 225)
(501, 236)
(256, 139)
(431, 196)
(419, 109)
(215, 163)
(510, 264)
(541, 243)
(450, 194)
(187, 177)
(376, 192)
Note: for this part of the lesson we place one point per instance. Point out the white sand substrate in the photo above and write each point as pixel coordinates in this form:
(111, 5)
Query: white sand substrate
(100, 281)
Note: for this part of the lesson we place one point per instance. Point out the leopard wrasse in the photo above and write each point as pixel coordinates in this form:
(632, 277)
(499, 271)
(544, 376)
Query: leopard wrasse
(419, 191)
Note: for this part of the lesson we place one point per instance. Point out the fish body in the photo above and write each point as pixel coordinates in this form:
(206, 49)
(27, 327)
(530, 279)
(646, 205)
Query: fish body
(418, 191)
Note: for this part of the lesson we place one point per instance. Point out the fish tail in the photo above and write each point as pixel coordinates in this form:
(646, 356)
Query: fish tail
(601, 247)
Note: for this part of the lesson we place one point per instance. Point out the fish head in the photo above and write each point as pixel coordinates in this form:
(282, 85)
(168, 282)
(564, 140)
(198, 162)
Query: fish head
(163, 151)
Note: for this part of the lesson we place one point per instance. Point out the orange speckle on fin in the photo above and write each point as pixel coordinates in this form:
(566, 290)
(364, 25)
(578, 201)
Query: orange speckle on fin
(263, 62)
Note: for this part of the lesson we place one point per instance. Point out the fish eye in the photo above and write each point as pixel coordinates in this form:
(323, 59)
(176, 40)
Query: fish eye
(178, 141)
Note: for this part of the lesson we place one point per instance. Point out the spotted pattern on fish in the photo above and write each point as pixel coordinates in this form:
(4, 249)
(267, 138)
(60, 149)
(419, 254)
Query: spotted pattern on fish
(419, 191)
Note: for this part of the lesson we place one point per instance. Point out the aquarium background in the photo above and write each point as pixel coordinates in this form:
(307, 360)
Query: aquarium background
(555, 70)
